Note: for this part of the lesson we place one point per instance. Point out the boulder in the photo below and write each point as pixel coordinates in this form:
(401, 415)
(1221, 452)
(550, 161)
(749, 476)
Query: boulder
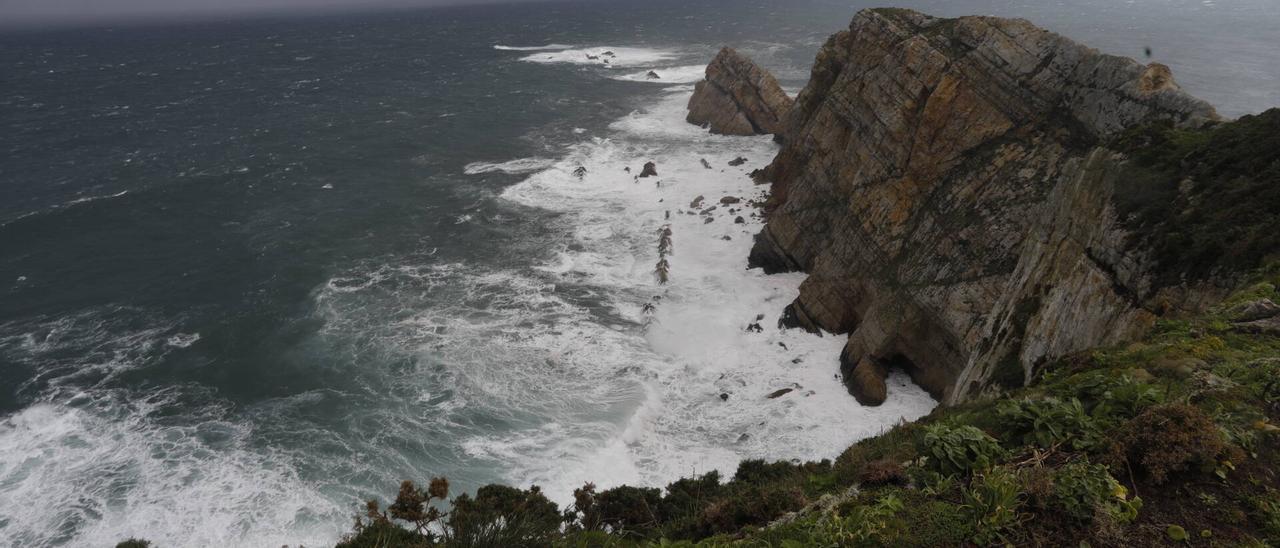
(650, 170)
(1255, 310)
(867, 382)
(738, 98)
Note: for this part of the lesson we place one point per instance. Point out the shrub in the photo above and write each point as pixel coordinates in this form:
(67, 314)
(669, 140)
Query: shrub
(1086, 491)
(503, 516)
(414, 505)
(1168, 438)
(959, 450)
(759, 472)
(628, 510)
(381, 534)
(883, 472)
(751, 506)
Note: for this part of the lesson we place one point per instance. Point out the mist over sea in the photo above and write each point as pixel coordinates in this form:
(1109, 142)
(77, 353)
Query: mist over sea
(253, 272)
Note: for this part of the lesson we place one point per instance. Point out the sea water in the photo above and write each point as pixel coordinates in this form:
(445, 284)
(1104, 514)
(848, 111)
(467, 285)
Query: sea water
(254, 272)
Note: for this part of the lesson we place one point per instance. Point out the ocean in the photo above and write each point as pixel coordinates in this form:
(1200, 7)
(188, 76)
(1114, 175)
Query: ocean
(253, 272)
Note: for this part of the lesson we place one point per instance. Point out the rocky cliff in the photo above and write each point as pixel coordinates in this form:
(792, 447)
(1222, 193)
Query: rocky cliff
(949, 187)
(738, 98)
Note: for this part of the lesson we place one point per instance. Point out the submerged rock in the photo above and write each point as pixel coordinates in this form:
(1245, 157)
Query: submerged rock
(779, 393)
(738, 98)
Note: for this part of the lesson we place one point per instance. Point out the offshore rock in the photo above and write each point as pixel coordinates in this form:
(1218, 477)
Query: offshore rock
(650, 170)
(738, 98)
(946, 185)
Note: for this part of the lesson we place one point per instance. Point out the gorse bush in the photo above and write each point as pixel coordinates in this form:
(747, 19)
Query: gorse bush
(958, 449)
(502, 516)
(1168, 438)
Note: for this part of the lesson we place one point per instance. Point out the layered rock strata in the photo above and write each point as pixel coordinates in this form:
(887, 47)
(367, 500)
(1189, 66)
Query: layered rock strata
(738, 98)
(947, 186)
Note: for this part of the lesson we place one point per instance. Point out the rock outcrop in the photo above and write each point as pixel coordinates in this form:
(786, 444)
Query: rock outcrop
(948, 187)
(738, 98)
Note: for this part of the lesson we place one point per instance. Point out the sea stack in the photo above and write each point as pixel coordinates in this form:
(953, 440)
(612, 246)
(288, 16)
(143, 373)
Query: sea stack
(738, 98)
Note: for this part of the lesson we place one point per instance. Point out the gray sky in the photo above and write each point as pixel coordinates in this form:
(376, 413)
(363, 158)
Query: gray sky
(44, 12)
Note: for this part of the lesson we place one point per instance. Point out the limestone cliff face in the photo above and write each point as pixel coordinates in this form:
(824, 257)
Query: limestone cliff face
(738, 98)
(945, 184)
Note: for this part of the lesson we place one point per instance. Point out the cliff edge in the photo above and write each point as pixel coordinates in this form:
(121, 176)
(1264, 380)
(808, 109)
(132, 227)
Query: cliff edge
(949, 187)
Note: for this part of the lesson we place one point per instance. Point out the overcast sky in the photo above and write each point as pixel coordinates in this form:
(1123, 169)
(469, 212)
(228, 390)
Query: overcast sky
(44, 12)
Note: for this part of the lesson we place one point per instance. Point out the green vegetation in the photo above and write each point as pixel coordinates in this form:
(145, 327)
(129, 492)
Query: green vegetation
(1203, 200)
(1169, 440)
(1166, 441)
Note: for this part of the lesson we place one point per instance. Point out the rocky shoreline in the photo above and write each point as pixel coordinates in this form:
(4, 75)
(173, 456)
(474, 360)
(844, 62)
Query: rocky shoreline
(948, 185)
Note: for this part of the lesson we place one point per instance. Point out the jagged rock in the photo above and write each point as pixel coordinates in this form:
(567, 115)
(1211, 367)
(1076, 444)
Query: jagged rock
(738, 98)
(947, 186)
(580, 172)
(652, 75)
(737, 161)
(650, 170)
(697, 202)
(1255, 310)
(730, 200)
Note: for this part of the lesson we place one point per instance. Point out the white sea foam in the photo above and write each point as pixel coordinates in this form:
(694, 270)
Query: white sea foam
(93, 466)
(599, 56)
(73, 477)
(696, 346)
(522, 165)
(86, 199)
(547, 47)
(687, 74)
